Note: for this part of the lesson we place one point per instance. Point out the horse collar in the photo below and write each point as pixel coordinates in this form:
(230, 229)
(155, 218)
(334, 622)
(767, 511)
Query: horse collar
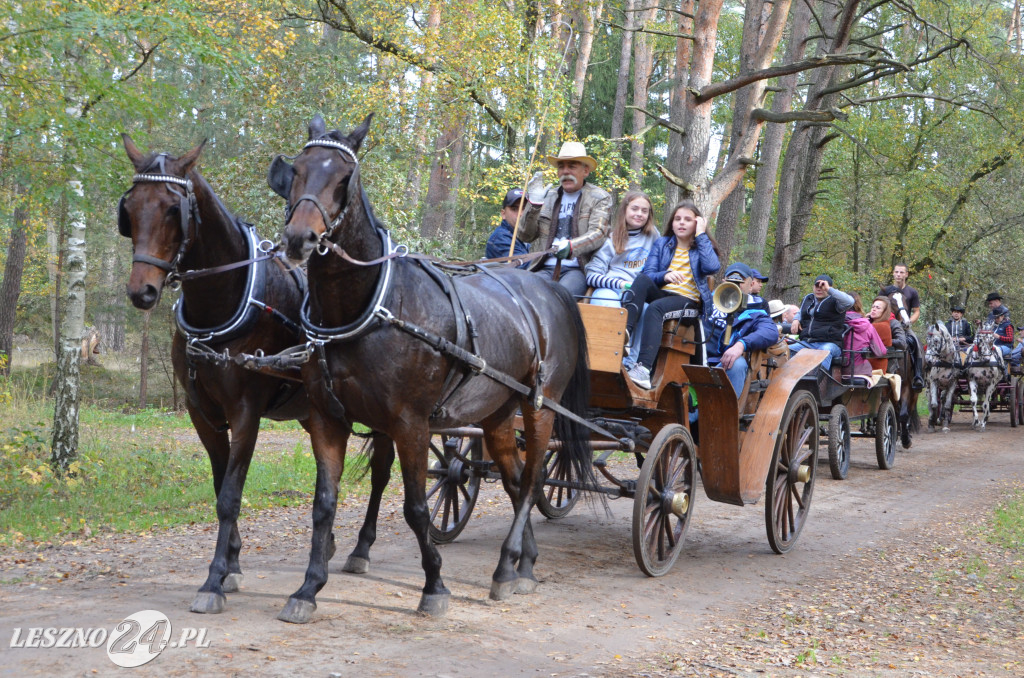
(319, 335)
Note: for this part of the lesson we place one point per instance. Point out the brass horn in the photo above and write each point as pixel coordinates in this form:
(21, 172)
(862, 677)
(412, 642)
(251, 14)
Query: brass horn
(729, 298)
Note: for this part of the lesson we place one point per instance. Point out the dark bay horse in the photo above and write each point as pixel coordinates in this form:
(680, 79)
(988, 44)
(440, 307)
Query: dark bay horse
(910, 420)
(387, 335)
(177, 223)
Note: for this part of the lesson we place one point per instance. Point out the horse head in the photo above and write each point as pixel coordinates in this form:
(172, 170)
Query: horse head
(984, 342)
(940, 346)
(320, 186)
(158, 214)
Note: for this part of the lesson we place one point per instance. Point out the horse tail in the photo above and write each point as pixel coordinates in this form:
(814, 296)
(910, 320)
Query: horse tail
(574, 436)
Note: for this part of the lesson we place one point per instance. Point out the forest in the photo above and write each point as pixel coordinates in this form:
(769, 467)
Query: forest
(838, 136)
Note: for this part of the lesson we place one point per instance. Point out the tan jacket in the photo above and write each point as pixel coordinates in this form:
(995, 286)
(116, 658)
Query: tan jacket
(592, 217)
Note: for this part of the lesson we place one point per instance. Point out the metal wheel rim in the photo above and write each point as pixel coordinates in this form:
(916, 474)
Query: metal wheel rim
(556, 501)
(455, 490)
(788, 499)
(668, 474)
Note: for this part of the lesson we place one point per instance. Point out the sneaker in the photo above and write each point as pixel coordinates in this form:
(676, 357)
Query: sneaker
(641, 376)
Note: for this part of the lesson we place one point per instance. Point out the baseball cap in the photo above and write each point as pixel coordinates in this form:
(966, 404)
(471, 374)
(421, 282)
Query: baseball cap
(512, 198)
(738, 271)
(827, 278)
(760, 276)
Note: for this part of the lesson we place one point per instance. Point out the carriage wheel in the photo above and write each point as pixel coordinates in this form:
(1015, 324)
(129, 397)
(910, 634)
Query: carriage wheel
(556, 501)
(664, 498)
(1011, 397)
(839, 435)
(1020, 400)
(790, 481)
(887, 431)
(455, 486)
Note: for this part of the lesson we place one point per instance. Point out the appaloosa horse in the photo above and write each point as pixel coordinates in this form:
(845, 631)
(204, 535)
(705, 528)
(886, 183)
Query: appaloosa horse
(985, 369)
(403, 348)
(943, 368)
(180, 230)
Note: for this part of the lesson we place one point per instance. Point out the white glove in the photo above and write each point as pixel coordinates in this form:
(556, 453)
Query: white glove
(563, 248)
(536, 190)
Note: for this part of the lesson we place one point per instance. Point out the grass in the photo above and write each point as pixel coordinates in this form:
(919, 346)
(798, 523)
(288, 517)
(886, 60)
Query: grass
(136, 469)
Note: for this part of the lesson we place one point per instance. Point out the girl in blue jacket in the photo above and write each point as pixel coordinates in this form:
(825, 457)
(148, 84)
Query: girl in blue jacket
(674, 280)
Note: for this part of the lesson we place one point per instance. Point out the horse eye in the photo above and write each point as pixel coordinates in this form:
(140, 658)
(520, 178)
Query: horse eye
(173, 211)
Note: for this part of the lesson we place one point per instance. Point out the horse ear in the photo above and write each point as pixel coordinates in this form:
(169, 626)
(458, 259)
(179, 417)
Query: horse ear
(317, 127)
(134, 154)
(359, 133)
(280, 176)
(186, 161)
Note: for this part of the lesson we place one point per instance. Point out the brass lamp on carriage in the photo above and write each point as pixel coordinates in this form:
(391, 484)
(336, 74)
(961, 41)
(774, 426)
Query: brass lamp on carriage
(729, 299)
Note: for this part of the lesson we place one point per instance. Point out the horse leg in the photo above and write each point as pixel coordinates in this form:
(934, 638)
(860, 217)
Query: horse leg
(380, 473)
(500, 441)
(519, 546)
(974, 401)
(413, 443)
(229, 461)
(934, 413)
(329, 438)
(947, 411)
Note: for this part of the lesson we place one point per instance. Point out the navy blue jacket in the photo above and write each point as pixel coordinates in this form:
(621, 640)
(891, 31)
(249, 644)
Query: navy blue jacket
(500, 239)
(753, 327)
(703, 262)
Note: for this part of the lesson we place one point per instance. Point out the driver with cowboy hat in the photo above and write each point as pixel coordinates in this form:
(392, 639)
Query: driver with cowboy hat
(573, 219)
(959, 328)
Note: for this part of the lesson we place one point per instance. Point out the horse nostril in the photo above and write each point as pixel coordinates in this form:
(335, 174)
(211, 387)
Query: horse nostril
(311, 236)
(148, 294)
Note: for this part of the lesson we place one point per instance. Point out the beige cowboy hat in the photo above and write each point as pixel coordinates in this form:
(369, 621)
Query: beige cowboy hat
(776, 308)
(573, 150)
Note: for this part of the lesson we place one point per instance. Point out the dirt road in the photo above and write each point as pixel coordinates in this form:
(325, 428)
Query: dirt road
(594, 613)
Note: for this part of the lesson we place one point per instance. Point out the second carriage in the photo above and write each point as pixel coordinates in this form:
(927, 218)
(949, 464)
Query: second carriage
(765, 441)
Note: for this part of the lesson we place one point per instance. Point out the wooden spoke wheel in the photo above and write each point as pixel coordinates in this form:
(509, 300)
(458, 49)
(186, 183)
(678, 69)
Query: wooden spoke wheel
(664, 498)
(1011, 398)
(790, 482)
(455, 486)
(557, 500)
(887, 431)
(1019, 397)
(839, 442)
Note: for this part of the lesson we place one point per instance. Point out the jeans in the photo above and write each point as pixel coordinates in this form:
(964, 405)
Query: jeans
(1015, 354)
(659, 303)
(737, 373)
(833, 350)
(606, 296)
(571, 279)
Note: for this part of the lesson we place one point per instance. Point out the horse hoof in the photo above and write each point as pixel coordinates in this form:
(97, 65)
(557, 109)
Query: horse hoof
(526, 585)
(231, 582)
(206, 602)
(297, 611)
(434, 604)
(356, 565)
(503, 590)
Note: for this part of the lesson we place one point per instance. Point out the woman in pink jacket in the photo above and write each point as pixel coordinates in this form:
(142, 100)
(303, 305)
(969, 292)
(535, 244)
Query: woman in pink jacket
(861, 340)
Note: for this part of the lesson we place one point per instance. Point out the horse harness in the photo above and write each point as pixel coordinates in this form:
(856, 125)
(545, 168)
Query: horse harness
(197, 339)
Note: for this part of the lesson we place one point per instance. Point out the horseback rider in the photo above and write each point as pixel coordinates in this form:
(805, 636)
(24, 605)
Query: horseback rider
(906, 305)
(958, 327)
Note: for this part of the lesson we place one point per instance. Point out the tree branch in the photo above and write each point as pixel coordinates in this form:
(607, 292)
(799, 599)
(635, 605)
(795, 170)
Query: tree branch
(660, 121)
(794, 116)
(717, 89)
(644, 29)
(665, 172)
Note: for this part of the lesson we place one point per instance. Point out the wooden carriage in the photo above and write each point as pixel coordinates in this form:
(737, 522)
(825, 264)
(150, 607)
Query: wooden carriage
(763, 442)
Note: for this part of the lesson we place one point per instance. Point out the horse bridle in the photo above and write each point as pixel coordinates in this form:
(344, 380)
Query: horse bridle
(329, 224)
(188, 212)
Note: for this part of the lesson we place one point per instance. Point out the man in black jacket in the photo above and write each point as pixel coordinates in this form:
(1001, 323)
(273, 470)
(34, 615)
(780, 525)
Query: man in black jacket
(959, 328)
(822, 319)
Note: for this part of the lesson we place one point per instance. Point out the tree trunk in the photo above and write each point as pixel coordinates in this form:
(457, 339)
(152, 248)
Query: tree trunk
(729, 211)
(775, 134)
(441, 190)
(677, 98)
(589, 14)
(65, 415)
(413, 178)
(625, 56)
(144, 362)
(110, 320)
(642, 65)
(11, 288)
(838, 24)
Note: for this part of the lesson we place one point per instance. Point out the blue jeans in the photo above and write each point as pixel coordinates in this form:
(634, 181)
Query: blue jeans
(1015, 354)
(737, 373)
(571, 279)
(833, 350)
(606, 296)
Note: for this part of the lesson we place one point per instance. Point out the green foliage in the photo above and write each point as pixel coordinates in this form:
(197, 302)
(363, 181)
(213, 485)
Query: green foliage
(1007, 526)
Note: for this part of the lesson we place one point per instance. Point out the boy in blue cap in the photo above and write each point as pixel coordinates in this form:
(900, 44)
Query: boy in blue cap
(752, 330)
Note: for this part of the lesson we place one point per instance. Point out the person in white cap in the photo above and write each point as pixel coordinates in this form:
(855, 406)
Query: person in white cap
(574, 219)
